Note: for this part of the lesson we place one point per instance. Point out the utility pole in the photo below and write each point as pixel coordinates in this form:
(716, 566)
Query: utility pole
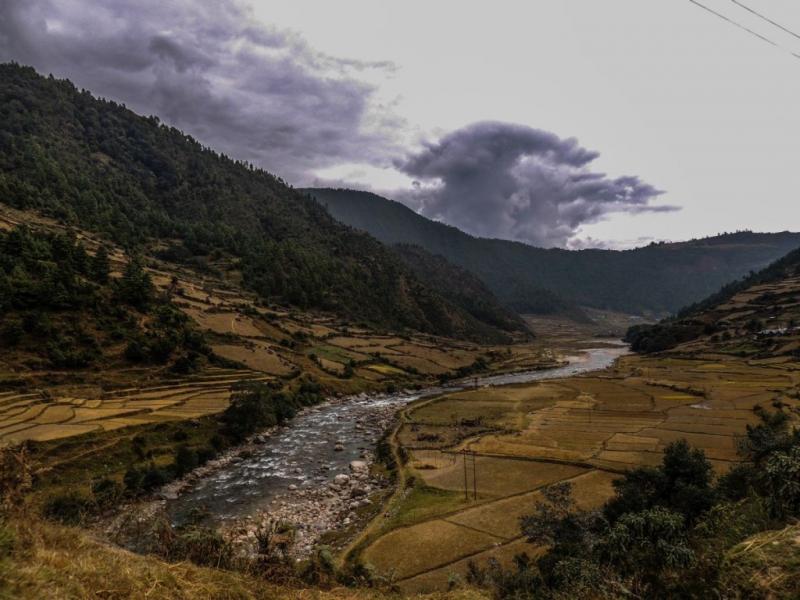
(466, 494)
(474, 477)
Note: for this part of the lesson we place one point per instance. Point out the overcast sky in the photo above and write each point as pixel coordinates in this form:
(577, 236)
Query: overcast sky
(557, 122)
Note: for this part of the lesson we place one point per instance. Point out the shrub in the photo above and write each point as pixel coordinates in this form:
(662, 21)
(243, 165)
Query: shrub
(206, 454)
(783, 483)
(106, 492)
(203, 546)
(69, 508)
(133, 480)
(154, 477)
(12, 332)
(185, 460)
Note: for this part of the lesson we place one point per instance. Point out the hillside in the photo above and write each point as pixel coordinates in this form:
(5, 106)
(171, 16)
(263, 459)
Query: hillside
(61, 309)
(757, 316)
(659, 278)
(460, 287)
(95, 164)
(44, 560)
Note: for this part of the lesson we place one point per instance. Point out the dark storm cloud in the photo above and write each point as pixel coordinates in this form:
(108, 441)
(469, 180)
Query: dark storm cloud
(514, 182)
(254, 92)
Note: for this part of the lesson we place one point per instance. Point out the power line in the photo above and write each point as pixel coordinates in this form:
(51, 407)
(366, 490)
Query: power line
(767, 19)
(740, 26)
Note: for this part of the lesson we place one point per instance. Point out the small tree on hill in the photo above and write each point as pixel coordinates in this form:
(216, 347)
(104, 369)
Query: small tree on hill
(135, 287)
(99, 266)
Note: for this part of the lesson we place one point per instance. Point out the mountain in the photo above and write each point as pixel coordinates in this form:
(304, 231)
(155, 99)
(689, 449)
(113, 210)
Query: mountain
(460, 287)
(656, 279)
(95, 164)
(757, 316)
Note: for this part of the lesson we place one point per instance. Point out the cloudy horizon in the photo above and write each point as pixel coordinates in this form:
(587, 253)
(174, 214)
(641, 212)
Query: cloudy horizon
(255, 82)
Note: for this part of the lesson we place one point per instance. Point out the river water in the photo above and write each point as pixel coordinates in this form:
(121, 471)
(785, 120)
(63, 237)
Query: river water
(322, 441)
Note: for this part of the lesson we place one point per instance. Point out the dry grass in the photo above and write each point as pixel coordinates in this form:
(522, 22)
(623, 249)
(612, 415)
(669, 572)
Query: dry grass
(59, 563)
(410, 550)
(438, 579)
(501, 517)
(496, 477)
(258, 356)
(615, 421)
(764, 566)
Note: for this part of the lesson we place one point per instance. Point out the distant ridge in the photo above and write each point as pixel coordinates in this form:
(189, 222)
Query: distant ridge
(655, 279)
(757, 315)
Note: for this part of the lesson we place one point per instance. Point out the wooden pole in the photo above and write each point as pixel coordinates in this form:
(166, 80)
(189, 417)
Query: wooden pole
(466, 494)
(474, 477)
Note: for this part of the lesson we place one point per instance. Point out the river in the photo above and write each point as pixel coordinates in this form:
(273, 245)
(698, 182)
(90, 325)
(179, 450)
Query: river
(321, 442)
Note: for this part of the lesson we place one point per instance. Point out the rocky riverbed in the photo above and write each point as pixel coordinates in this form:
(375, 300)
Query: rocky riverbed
(313, 512)
(315, 474)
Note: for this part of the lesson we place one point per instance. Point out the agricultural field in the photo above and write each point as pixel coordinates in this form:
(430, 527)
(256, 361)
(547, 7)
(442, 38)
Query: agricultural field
(478, 460)
(38, 417)
(249, 341)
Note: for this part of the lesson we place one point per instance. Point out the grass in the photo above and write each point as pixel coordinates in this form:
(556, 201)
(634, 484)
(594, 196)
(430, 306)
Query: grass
(439, 579)
(63, 563)
(764, 566)
(411, 550)
(496, 477)
(258, 356)
(422, 502)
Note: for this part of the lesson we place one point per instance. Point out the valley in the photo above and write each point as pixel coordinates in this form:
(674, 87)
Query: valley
(256, 342)
(481, 432)
(216, 385)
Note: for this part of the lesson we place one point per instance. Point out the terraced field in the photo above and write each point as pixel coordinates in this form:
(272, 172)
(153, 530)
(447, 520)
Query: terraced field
(585, 430)
(253, 342)
(35, 416)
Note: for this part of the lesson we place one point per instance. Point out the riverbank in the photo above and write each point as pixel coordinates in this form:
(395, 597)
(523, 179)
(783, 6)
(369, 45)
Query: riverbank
(317, 475)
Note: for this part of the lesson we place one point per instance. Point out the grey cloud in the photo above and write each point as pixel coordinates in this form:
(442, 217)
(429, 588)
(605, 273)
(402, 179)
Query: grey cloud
(254, 92)
(514, 182)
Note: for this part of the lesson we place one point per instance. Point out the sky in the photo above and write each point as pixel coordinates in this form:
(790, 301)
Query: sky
(572, 123)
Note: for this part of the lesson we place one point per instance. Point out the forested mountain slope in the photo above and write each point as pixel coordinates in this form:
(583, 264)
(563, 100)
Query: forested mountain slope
(657, 278)
(757, 316)
(61, 309)
(95, 164)
(460, 287)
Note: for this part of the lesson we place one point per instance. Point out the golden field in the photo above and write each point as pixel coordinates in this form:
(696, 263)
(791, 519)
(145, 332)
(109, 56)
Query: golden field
(586, 430)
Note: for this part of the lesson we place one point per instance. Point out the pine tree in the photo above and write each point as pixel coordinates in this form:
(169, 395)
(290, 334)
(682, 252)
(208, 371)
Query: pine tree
(99, 266)
(135, 287)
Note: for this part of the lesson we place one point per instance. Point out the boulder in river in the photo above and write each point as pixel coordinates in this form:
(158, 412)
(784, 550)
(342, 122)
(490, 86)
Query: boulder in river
(359, 466)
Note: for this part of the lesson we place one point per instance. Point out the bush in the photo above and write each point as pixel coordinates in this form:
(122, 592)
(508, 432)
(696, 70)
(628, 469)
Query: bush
(203, 546)
(206, 454)
(154, 477)
(106, 492)
(259, 406)
(133, 480)
(783, 483)
(12, 332)
(69, 508)
(185, 460)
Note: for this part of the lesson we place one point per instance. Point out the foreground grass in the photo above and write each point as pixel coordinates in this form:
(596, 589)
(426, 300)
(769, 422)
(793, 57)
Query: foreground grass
(44, 560)
(764, 566)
